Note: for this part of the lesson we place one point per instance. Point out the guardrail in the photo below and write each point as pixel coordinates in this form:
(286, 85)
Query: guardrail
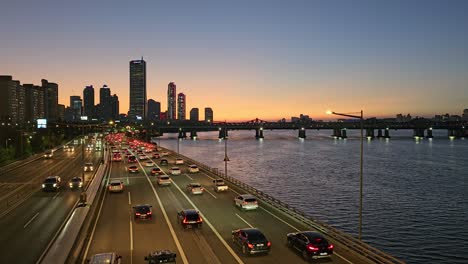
(352, 243)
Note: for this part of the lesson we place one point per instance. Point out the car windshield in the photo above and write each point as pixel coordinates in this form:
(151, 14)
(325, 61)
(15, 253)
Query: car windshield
(250, 200)
(255, 237)
(142, 209)
(89, 164)
(316, 239)
(195, 185)
(192, 216)
(193, 166)
(50, 180)
(164, 178)
(115, 183)
(76, 180)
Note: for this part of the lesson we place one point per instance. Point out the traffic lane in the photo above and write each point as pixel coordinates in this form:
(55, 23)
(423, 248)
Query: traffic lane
(34, 224)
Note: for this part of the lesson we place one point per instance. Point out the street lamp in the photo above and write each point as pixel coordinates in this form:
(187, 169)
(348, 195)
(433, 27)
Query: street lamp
(360, 117)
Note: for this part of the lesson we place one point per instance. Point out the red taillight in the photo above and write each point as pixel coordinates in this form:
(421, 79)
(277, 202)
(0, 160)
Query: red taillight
(250, 245)
(200, 219)
(149, 213)
(185, 221)
(330, 246)
(269, 244)
(312, 248)
(137, 214)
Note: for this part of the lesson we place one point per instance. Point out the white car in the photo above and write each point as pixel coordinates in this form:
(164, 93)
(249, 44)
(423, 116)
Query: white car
(142, 157)
(116, 186)
(149, 163)
(175, 171)
(193, 168)
(179, 161)
(164, 180)
(195, 188)
(164, 153)
(246, 202)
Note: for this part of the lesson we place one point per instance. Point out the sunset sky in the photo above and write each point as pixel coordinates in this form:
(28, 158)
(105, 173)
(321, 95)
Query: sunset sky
(247, 59)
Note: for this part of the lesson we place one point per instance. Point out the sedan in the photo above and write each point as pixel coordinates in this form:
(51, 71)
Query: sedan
(142, 157)
(132, 168)
(193, 168)
(179, 161)
(312, 245)
(194, 188)
(175, 171)
(156, 156)
(246, 202)
(115, 186)
(156, 171)
(251, 240)
(163, 162)
(189, 218)
(142, 211)
(76, 182)
(149, 163)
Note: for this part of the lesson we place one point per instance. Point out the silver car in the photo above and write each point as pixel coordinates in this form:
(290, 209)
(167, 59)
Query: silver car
(246, 202)
(195, 188)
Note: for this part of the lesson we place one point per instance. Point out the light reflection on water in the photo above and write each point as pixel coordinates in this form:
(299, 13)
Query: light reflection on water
(415, 191)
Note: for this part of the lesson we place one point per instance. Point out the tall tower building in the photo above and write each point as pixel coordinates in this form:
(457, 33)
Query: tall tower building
(114, 107)
(21, 100)
(208, 114)
(181, 103)
(34, 97)
(50, 99)
(194, 115)
(137, 89)
(154, 110)
(8, 100)
(88, 102)
(105, 103)
(171, 101)
(76, 104)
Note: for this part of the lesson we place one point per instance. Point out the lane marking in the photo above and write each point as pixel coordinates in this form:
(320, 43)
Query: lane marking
(131, 237)
(189, 177)
(236, 257)
(210, 193)
(245, 221)
(55, 196)
(129, 199)
(30, 220)
(166, 217)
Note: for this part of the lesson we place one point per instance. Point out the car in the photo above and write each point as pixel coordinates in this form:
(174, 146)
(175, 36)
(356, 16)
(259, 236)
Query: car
(164, 153)
(193, 168)
(115, 186)
(174, 171)
(69, 148)
(142, 211)
(48, 154)
(311, 244)
(246, 202)
(156, 156)
(161, 256)
(156, 171)
(76, 182)
(189, 218)
(149, 163)
(163, 162)
(164, 180)
(89, 148)
(109, 257)
(132, 168)
(142, 157)
(88, 167)
(117, 157)
(131, 159)
(251, 241)
(194, 188)
(179, 161)
(52, 183)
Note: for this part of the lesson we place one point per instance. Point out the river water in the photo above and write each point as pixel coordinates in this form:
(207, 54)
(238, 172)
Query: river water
(415, 202)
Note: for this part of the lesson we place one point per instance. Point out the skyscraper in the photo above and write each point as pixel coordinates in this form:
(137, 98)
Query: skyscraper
(208, 114)
(8, 100)
(76, 105)
(114, 105)
(34, 97)
(137, 89)
(105, 103)
(194, 115)
(181, 103)
(171, 101)
(88, 102)
(154, 110)
(50, 99)
(21, 100)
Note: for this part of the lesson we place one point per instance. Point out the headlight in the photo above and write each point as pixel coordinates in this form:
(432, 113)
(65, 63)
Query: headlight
(55, 185)
(71, 184)
(81, 184)
(91, 167)
(43, 185)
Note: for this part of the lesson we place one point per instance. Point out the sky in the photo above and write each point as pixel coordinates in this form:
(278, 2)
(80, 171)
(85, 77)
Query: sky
(249, 59)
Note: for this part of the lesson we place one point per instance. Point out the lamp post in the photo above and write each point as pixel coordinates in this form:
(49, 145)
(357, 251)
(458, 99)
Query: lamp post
(226, 159)
(360, 117)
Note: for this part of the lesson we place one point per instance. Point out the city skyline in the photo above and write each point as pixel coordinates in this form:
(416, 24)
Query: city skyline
(276, 60)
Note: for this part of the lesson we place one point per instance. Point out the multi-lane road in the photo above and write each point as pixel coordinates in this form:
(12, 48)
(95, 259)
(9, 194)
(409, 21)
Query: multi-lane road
(29, 227)
(116, 231)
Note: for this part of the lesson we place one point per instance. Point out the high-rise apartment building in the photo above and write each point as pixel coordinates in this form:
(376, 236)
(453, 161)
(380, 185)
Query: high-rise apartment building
(208, 114)
(137, 89)
(114, 105)
(76, 104)
(21, 100)
(88, 102)
(194, 115)
(171, 101)
(34, 97)
(61, 112)
(154, 110)
(181, 103)
(8, 100)
(50, 99)
(105, 103)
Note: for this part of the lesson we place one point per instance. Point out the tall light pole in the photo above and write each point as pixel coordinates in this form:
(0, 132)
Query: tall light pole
(226, 159)
(178, 138)
(361, 118)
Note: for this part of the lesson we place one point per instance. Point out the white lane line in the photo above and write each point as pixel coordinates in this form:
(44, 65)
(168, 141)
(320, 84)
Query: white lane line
(171, 228)
(189, 177)
(30, 220)
(129, 199)
(208, 176)
(210, 225)
(245, 221)
(210, 193)
(288, 224)
(55, 196)
(131, 236)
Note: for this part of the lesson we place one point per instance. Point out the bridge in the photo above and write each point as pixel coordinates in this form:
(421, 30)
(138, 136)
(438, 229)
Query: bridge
(38, 219)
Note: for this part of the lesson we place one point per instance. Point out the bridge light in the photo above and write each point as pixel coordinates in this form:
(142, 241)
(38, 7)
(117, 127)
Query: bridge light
(329, 112)
(261, 128)
(430, 128)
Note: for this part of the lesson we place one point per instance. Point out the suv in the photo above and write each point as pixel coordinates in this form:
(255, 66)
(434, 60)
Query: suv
(115, 186)
(189, 218)
(246, 202)
(251, 240)
(164, 180)
(51, 183)
(109, 257)
(312, 245)
(88, 167)
(161, 256)
(142, 211)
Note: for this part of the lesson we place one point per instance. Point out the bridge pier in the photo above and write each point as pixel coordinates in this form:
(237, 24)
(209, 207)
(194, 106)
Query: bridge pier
(343, 133)
(418, 133)
(370, 133)
(379, 133)
(182, 134)
(387, 133)
(223, 133)
(336, 133)
(193, 134)
(302, 133)
(259, 133)
(429, 133)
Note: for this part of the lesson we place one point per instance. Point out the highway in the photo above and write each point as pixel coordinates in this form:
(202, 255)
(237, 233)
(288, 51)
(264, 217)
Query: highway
(116, 230)
(31, 225)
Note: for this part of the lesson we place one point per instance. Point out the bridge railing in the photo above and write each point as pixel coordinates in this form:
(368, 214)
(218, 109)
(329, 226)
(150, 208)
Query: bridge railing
(353, 244)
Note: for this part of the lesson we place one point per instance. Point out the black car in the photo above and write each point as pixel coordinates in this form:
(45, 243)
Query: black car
(163, 162)
(76, 182)
(142, 211)
(311, 244)
(189, 218)
(161, 256)
(51, 183)
(251, 240)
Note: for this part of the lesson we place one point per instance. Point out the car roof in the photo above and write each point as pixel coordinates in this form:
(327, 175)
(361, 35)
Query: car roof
(193, 166)
(175, 168)
(251, 231)
(311, 235)
(76, 178)
(190, 211)
(246, 196)
(195, 184)
(53, 177)
(114, 181)
(142, 205)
